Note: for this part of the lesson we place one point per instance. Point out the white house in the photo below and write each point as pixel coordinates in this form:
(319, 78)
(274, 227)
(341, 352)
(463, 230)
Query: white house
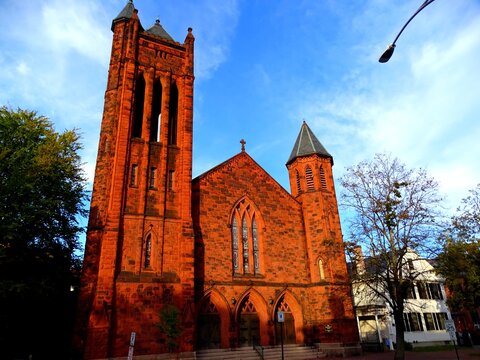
(425, 310)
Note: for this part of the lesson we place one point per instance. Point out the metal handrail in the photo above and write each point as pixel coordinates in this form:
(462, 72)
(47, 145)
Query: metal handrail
(258, 348)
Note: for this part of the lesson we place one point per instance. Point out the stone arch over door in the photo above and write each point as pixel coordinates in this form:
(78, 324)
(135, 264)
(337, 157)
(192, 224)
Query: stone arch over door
(213, 321)
(292, 328)
(251, 319)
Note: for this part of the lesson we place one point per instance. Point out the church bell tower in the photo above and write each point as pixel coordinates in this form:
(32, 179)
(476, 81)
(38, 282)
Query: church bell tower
(139, 248)
(312, 184)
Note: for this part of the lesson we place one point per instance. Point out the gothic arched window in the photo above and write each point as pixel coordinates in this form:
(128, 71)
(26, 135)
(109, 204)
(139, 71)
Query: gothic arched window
(156, 111)
(323, 180)
(235, 244)
(173, 115)
(321, 272)
(138, 107)
(299, 187)
(309, 178)
(245, 240)
(148, 251)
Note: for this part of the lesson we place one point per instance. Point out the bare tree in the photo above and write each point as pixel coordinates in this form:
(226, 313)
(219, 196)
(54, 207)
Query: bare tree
(393, 211)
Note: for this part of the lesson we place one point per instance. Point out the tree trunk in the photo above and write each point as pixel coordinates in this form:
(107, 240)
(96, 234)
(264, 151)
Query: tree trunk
(400, 334)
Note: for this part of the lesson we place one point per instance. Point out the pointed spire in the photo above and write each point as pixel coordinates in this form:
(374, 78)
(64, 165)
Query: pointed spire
(158, 30)
(307, 144)
(126, 13)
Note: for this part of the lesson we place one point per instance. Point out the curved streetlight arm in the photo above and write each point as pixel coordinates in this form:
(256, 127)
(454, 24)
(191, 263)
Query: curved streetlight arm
(389, 51)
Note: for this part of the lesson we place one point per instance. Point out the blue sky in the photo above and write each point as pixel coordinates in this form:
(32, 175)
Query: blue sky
(264, 66)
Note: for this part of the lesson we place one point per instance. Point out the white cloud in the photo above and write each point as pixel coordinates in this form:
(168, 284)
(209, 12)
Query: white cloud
(214, 26)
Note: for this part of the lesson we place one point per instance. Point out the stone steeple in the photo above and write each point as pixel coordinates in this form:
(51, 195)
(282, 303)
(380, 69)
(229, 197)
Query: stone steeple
(307, 144)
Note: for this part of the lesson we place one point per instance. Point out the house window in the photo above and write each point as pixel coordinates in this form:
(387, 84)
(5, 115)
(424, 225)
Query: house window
(412, 321)
(245, 240)
(309, 177)
(148, 251)
(435, 321)
(153, 175)
(133, 175)
(430, 291)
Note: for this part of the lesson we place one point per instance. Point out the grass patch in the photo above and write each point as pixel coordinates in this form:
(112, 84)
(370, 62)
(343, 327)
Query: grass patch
(434, 348)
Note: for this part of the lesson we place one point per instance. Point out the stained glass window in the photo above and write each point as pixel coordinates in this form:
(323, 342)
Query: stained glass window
(148, 251)
(256, 262)
(235, 244)
(245, 239)
(245, 244)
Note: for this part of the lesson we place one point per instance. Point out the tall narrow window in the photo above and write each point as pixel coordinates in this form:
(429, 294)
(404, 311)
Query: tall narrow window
(138, 107)
(323, 179)
(235, 244)
(148, 251)
(299, 187)
(170, 179)
(133, 175)
(156, 111)
(256, 262)
(309, 178)
(245, 244)
(320, 269)
(173, 115)
(153, 175)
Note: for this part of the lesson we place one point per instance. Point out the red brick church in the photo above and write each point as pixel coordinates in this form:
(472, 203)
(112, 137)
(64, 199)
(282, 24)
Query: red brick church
(228, 249)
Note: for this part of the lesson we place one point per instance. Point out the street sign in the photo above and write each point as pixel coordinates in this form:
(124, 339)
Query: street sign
(280, 317)
(450, 327)
(132, 344)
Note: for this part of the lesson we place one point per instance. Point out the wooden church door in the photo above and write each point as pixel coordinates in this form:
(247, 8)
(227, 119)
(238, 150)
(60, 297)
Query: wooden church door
(288, 327)
(248, 325)
(208, 327)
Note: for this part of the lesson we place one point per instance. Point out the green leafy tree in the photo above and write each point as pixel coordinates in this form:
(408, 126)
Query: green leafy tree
(170, 326)
(392, 213)
(41, 199)
(459, 261)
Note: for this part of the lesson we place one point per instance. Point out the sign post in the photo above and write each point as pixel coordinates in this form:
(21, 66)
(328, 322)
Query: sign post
(132, 344)
(450, 327)
(281, 320)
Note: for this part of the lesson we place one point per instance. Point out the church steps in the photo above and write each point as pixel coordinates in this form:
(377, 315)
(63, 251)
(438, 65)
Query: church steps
(291, 352)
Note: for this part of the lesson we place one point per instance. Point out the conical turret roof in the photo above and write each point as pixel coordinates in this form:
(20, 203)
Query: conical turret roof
(127, 11)
(307, 144)
(158, 30)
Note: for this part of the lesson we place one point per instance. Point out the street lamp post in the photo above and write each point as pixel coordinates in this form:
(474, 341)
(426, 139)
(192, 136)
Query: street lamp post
(387, 54)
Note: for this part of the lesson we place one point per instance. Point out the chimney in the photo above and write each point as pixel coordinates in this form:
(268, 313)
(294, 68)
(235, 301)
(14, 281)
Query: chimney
(359, 260)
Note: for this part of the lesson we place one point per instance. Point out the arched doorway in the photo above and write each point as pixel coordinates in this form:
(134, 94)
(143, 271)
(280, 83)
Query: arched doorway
(288, 326)
(208, 326)
(248, 324)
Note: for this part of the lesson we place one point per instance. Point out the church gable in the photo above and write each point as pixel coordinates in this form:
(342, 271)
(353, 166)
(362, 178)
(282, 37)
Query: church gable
(247, 225)
(244, 167)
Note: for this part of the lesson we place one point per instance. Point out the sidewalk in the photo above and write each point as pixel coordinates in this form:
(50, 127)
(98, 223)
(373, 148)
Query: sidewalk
(463, 354)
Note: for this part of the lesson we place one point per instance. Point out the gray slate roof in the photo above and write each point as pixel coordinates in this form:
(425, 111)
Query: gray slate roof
(126, 13)
(307, 144)
(159, 31)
